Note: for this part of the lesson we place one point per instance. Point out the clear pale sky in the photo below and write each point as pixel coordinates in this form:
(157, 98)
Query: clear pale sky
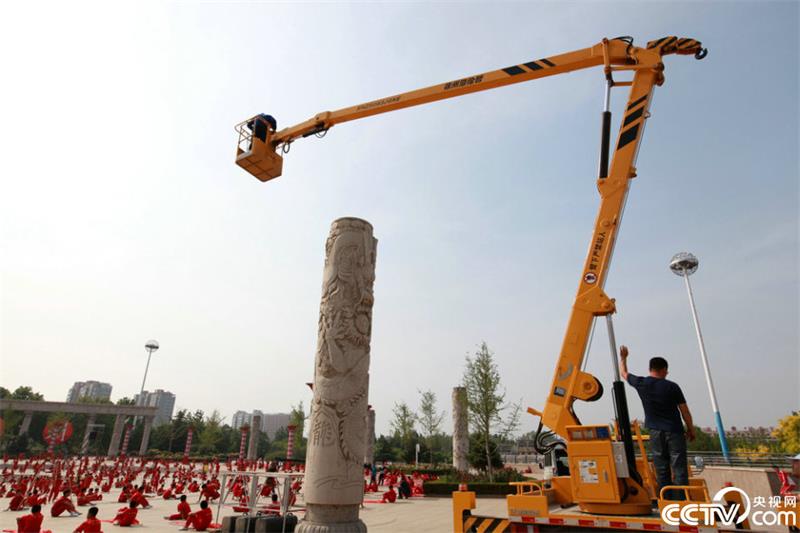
(124, 217)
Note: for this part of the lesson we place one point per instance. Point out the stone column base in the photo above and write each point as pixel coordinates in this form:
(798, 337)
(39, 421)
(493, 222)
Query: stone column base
(331, 519)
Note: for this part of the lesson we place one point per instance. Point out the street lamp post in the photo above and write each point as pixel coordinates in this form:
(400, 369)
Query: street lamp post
(685, 264)
(151, 346)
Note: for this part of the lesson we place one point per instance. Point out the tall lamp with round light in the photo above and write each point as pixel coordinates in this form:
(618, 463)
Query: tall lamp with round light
(684, 264)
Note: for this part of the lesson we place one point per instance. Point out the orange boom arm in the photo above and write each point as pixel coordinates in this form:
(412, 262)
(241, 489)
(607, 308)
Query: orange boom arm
(259, 142)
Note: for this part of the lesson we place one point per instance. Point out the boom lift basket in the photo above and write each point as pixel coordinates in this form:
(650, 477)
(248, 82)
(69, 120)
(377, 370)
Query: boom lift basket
(254, 151)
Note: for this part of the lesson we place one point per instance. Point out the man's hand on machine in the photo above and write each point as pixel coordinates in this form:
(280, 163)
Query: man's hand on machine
(623, 352)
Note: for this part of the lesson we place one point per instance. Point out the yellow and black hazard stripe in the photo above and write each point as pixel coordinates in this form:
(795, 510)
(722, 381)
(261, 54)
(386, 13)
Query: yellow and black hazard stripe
(673, 44)
(632, 121)
(661, 43)
(687, 44)
(485, 524)
(530, 66)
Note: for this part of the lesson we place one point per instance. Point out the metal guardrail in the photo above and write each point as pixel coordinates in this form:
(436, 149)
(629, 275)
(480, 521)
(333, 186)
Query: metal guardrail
(744, 460)
(737, 459)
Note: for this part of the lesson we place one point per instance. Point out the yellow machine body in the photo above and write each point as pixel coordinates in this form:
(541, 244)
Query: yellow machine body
(600, 480)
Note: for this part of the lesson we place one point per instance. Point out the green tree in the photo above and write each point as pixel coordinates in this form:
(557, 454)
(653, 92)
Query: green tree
(477, 453)
(26, 393)
(126, 401)
(211, 436)
(430, 419)
(264, 445)
(384, 451)
(17, 444)
(403, 424)
(280, 434)
(298, 419)
(486, 401)
(161, 436)
(788, 433)
(178, 429)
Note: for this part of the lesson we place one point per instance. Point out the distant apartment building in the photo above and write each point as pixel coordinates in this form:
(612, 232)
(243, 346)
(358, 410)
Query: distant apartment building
(163, 400)
(239, 419)
(270, 422)
(93, 390)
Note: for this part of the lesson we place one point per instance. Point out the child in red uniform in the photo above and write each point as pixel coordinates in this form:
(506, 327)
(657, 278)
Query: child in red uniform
(183, 510)
(199, 520)
(91, 524)
(138, 497)
(83, 499)
(17, 502)
(33, 499)
(390, 496)
(31, 523)
(126, 516)
(63, 504)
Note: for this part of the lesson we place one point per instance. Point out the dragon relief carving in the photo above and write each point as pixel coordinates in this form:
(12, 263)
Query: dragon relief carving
(341, 373)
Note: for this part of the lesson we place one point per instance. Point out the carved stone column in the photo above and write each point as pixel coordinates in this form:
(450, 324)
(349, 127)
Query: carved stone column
(369, 453)
(460, 430)
(148, 426)
(252, 446)
(26, 422)
(87, 434)
(113, 446)
(334, 480)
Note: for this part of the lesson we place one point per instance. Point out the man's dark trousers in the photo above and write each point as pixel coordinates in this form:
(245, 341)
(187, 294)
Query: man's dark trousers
(669, 457)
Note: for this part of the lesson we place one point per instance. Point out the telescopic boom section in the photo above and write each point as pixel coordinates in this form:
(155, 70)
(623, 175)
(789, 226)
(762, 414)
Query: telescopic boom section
(259, 142)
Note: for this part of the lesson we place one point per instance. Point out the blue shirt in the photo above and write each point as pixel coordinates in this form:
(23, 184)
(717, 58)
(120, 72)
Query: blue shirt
(660, 398)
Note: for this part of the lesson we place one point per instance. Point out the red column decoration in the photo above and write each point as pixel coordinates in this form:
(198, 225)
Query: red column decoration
(243, 443)
(289, 447)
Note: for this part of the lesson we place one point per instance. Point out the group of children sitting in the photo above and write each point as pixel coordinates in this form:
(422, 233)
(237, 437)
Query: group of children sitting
(125, 517)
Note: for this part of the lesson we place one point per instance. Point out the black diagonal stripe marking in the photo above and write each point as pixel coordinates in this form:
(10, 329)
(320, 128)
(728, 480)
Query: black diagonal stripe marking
(628, 136)
(633, 116)
(548, 62)
(493, 526)
(683, 41)
(637, 102)
(672, 40)
(513, 71)
(533, 65)
(478, 521)
(656, 43)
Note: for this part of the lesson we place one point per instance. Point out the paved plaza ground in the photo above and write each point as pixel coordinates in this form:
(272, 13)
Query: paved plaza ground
(417, 514)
